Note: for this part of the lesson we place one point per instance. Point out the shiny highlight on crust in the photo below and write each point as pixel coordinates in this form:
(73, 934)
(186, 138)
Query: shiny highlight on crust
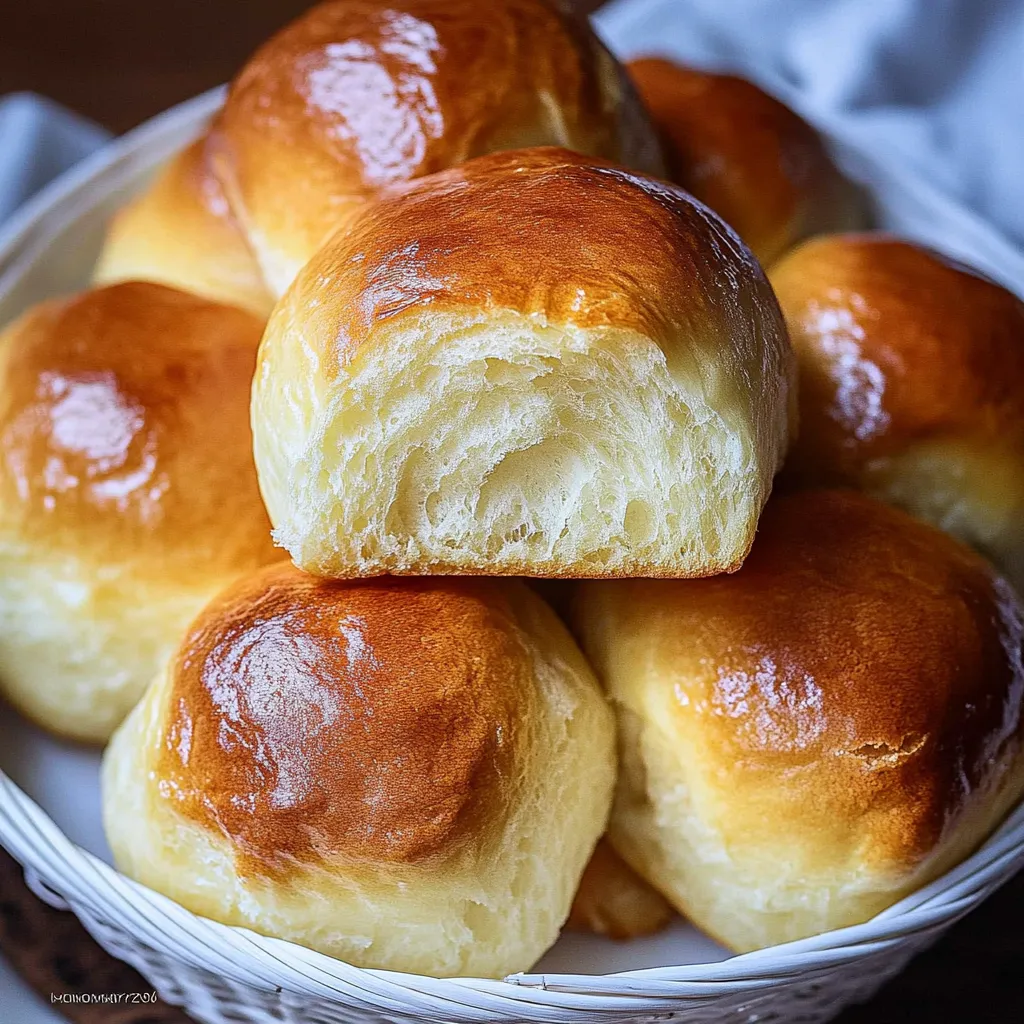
(897, 345)
(356, 94)
(310, 719)
(544, 232)
(115, 403)
(910, 371)
(807, 741)
(915, 690)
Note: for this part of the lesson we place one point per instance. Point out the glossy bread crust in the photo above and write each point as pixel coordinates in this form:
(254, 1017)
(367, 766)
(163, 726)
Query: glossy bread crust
(910, 385)
(843, 716)
(547, 233)
(128, 493)
(897, 344)
(516, 348)
(756, 163)
(115, 406)
(181, 232)
(918, 676)
(356, 95)
(310, 719)
(404, 774)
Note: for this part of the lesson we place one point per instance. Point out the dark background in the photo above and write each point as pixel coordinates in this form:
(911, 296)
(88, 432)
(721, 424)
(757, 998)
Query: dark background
(121, 61)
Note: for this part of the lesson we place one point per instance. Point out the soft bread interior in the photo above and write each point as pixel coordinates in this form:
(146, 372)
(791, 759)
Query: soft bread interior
(460, 441)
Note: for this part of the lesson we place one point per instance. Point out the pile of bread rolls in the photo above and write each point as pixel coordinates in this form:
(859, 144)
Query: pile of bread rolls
(446, 305)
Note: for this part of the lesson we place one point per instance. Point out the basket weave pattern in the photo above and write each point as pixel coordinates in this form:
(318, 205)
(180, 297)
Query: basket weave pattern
(224, 975)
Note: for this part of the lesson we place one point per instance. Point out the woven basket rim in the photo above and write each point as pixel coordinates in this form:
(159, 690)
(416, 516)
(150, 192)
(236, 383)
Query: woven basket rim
(79, 878)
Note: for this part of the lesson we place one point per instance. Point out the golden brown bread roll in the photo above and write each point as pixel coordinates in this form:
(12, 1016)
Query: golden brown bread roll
(405, 774)
(911, 370)
(533, 364)
(750, 158)
(180, 232)
(814, 737)
(127, 492)
(613, 900)
(356, 95)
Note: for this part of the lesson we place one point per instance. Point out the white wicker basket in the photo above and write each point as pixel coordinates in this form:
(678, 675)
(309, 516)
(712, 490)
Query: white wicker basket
(221, 974)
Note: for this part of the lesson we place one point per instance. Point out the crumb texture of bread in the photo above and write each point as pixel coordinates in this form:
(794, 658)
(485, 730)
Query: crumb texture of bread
(533, 364)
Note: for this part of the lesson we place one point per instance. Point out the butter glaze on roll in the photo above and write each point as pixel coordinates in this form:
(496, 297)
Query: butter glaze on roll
(809, 740)
(128, 494)
(356, 95)
(912, 385)
(404, 774)
(534, 364)
(181, 232)
(750, 158)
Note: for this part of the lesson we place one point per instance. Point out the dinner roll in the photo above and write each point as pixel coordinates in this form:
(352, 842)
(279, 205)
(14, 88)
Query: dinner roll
(811, 739)
(533, 364)
(613, 900)
(404, 774)
(127, 492)
(751, 159)
(359, 94)
(180, 232)
(911, 385)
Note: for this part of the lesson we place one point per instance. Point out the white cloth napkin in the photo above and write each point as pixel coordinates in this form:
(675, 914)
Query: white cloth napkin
(38, 140)
(922, 99)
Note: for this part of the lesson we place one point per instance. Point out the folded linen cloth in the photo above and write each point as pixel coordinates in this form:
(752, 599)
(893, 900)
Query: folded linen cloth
(922, 99)
(38, 140)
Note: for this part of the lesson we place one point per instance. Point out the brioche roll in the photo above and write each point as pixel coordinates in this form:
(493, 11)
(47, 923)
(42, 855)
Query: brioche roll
(750, 158)
(809, 740)
(405, 774)
(128, 494)
(911, 371)
(534, 364)
(613, 900)
(356, 95)
(180, 232)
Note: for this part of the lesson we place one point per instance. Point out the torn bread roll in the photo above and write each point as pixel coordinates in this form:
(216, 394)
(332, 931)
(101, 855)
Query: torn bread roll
(534, 364)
